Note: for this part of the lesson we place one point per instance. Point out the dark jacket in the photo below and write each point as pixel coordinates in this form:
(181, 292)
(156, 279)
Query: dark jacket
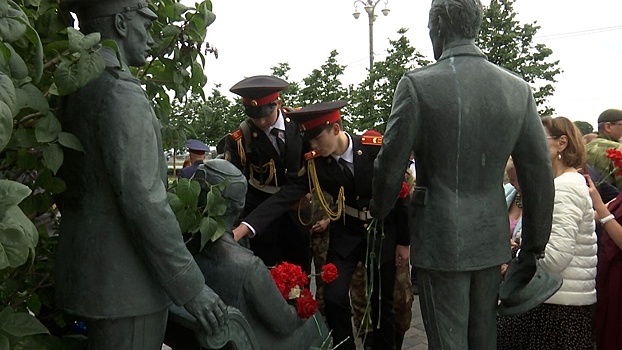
(463, 117)
(346, 232)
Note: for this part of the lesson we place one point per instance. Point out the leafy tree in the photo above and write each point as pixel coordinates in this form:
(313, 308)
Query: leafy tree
(291, 95)
(401, 58)
(42, 59)
(584, 127)
(509, 44)
(323, 84)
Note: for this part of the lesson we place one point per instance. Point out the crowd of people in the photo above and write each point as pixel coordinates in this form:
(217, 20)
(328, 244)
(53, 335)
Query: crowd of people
(121, 260)
(578, 315)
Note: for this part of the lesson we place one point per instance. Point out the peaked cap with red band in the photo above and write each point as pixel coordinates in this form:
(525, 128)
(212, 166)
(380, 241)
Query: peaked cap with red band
(259, 94)
(317, 115)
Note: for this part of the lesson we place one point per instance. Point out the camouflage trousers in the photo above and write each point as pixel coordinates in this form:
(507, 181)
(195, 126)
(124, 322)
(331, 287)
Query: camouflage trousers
(402, 300)
(319, 249)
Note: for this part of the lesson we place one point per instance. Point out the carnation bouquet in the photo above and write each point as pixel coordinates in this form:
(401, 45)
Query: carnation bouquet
(616, 160)
(292, 282)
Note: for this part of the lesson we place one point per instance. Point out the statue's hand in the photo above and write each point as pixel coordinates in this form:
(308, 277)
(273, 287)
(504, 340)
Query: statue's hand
(209, 310)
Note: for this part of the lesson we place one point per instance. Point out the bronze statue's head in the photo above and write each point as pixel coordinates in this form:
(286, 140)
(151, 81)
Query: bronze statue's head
(215, 171)
(128, 22)
(452, 20)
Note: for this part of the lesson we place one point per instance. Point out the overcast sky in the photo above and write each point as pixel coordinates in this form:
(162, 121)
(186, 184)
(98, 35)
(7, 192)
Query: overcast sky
(252, 36)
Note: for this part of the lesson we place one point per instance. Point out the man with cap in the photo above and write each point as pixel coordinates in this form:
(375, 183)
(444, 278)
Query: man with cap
(448, 114)
(340, 164)
(121, 260)
(267, 148)
(609, 134)
(197, 151)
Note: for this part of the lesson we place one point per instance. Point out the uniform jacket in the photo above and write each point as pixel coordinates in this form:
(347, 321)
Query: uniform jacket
(449, 114)
(571, 250)
(260, 152)
(120, 252)
(344, 236)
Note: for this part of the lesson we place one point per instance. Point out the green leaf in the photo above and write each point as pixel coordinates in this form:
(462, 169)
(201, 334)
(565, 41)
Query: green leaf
(55, 185)
(208, 229)
(35, 99)
(48, 128)
(34, 38)
(170, 30)
(4, 343)
(4, 8)
(6, 125)
(24, 137)
(34, 304)
(216, 204)
(53, 156)
(70, 141)
(179, 10)
(11, 28)
(7, 93)
(188, 192)
(12, 193)
(66, 78)
(14, 246)
(187, 219)
(89, 41)
(90, 66)
(15, 217)
(20, 324)
(174, 201)
(17, 67)
(75, 39)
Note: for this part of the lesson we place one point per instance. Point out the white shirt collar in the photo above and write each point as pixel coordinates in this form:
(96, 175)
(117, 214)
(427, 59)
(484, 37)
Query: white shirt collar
(348, 155)
(279, 124)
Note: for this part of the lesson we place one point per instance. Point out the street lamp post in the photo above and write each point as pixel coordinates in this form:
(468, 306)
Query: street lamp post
(370, 6)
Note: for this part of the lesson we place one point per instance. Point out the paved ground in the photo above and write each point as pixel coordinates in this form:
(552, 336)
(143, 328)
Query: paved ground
(415, 338)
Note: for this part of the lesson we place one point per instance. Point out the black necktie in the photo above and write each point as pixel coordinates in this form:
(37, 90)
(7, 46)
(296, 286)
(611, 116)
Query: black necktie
(346, 170)
(279, 143)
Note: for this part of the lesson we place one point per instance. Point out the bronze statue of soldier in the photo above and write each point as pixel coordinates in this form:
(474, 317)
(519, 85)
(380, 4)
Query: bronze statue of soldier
(121, 259)
(463, 117)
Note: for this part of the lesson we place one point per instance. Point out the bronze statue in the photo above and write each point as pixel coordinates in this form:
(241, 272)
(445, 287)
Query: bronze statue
(244, 281)
(463, 117)
(121, 259)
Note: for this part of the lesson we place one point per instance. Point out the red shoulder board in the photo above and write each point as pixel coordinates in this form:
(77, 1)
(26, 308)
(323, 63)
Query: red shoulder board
(236, 135)
(311, 155)
(371, 140)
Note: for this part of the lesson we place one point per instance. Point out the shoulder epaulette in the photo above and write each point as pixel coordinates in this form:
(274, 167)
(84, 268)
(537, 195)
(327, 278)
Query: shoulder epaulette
(236, 135)
(311, 155)
(371, 140)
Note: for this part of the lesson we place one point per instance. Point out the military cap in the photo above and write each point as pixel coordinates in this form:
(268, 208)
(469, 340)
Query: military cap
(259, 94)
(311, 119)
(610, 115)
(89, 9)
(196, 145)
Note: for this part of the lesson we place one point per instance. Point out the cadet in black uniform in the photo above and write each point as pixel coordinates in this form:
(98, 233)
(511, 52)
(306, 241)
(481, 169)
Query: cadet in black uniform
(341, 164)
(267, 148)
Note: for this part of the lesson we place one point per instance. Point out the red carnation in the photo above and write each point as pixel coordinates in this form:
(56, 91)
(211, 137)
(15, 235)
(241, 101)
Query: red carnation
(306, 306)
(329, 273)
(405, 190)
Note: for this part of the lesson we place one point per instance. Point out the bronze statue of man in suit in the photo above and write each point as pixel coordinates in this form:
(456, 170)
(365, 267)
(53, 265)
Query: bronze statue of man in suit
(463, 117)
(121, 258)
